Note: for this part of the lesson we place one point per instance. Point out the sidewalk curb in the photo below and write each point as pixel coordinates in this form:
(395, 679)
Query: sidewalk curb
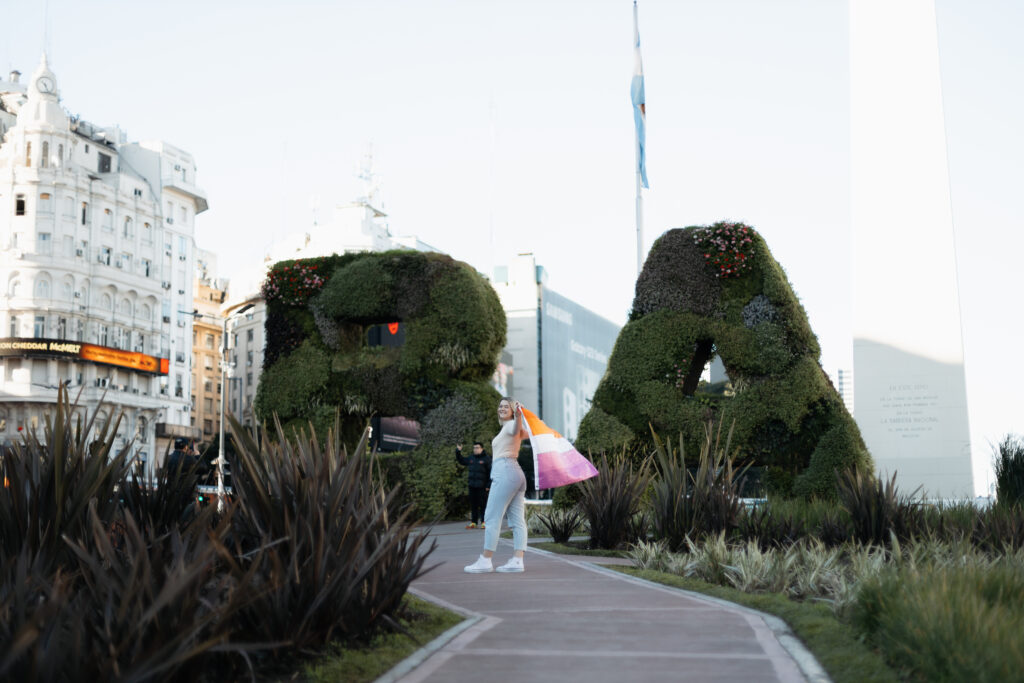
(805, 660)
(407, 665)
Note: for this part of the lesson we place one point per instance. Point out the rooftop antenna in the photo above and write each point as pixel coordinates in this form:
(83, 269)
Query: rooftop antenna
(46, 28)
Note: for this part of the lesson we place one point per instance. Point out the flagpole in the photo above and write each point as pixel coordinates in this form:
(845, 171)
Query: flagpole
(639, 216)
(639, 114)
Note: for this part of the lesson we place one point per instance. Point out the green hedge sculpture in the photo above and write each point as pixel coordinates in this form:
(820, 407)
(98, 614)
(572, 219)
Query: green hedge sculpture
(318, 361)
(718, 290)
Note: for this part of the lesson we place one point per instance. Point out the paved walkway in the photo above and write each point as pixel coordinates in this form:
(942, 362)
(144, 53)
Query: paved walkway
(565, 619)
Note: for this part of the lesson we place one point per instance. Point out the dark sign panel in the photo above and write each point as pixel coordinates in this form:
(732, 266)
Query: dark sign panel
(394, 433)
(104, 355)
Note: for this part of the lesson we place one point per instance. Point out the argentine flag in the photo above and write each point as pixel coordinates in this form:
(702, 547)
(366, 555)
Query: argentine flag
(555, 461)
(636, 91)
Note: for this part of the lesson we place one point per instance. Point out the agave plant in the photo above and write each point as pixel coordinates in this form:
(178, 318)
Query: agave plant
(561, 524)
(332, 553)
(611, 500)
(707, 502)
(877, 510)
(48, 485)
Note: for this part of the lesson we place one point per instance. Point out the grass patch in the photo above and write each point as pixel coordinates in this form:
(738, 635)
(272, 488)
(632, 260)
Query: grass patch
(577, 548)
(835, 646)
(423, 620)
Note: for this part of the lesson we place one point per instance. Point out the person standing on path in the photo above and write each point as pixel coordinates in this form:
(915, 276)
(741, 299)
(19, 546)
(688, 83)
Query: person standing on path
(508, 491)
(479, 465)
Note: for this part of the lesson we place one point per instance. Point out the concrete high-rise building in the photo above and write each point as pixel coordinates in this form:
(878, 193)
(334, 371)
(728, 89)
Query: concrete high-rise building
(96, 252)
(910, 394)
(557, 350)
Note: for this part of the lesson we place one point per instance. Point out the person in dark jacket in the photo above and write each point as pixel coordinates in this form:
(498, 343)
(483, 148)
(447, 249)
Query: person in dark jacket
(479, 466)
(181, 458)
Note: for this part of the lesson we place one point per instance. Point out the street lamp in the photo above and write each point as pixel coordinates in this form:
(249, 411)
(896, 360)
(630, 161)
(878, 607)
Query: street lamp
(221, 461)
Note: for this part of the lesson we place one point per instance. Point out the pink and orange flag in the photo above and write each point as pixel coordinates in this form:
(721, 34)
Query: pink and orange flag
(555, 461)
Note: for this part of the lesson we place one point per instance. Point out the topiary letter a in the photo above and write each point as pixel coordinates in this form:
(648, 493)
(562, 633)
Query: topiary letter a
(717, 290)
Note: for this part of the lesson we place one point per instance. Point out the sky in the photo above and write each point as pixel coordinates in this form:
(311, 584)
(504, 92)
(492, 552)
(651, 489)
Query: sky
(505, 127)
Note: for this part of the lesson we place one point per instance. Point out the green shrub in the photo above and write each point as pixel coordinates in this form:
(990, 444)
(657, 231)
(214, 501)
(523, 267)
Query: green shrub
(1009, 466)
(947, 623)
(718, 290)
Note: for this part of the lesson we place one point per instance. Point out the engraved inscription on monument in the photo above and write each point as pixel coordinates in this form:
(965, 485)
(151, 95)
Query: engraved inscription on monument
(909, 410)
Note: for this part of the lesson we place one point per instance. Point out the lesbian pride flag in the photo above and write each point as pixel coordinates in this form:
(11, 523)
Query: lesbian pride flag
(555, 461)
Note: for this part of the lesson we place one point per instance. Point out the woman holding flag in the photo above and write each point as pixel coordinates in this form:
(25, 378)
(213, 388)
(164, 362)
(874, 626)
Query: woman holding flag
(508, 491)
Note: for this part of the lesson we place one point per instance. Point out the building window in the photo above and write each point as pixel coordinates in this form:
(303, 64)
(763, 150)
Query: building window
(28, 154)
(39, 328)
(218, 388)
(147, 265)
(103, 335)
(108, 219)
(209, 341)
(14, 326)
(19, 205)
(103, 162)
(45, 161)
(208, 426)
(79, 330)
(248, 379)
(147, 232)
(126, 260)
(69, 207)
(208, 385)
(208, 405)
(45, 203)
(85, 213)
(140, 343)
(128, 230)
(60, 155)
(208, 360)
(105, 255)
(182, 245)
(44, 245)
(42, 289)
(62, 328)
(184, 215)
(248, 358)
(179, 390)
(248, 335)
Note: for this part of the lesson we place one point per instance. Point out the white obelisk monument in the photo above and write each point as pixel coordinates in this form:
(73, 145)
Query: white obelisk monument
(910, 396)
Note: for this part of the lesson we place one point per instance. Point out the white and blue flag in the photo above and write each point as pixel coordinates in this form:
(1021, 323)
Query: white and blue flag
(636, 91)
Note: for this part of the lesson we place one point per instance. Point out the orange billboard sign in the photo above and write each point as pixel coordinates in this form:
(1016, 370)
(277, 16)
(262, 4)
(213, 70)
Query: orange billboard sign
(105, 355)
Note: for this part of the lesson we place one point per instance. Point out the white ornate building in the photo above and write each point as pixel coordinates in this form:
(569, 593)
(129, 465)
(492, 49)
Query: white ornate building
(96, 270)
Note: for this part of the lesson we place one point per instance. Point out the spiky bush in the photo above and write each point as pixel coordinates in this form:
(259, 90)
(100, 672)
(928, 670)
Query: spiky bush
(688, 504)
(103, 578)
(331, 554)
(1009, 467)
(878, 511)
(611, 501)
(560, 524)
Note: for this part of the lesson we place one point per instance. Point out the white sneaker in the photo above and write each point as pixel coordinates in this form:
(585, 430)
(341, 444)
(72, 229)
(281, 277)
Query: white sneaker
(515, 564)
(481, 566)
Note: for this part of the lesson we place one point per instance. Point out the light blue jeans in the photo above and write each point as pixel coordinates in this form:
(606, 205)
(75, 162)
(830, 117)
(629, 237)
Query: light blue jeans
(508, 494)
